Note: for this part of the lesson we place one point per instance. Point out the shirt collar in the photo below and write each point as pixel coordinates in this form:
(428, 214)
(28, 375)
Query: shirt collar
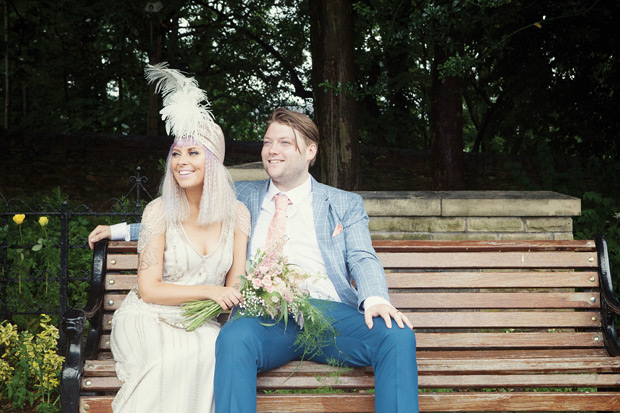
(296, 195)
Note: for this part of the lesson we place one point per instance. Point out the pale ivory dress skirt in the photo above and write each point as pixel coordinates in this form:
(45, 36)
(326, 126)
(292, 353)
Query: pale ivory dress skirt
(162, 367)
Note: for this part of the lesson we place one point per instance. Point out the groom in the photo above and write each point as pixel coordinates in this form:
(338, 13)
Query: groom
(327, 231)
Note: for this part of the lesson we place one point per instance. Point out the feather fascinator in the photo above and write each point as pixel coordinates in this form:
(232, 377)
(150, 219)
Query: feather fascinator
(186, 110)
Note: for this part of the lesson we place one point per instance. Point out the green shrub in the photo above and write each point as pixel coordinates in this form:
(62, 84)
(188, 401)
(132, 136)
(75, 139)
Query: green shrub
(30, 366)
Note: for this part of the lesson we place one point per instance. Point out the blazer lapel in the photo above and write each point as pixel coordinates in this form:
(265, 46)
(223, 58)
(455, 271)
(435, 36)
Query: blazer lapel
(320, 212)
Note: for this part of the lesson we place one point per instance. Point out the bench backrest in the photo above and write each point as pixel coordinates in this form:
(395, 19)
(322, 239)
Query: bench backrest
(464, 296)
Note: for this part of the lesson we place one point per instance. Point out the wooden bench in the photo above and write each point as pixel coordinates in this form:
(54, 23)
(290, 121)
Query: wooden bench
(500, 326)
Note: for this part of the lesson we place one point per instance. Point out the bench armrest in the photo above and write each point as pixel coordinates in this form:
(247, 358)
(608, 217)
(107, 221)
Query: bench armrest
(610, 305)
(73, 324)
(94, 306)
(93, 311)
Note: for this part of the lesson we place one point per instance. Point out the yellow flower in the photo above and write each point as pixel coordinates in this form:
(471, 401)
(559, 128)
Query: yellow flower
(19, 218)
(43, 221)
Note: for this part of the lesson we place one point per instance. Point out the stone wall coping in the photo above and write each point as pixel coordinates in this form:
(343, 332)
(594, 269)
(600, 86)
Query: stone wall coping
(449, 203)
(471, 203)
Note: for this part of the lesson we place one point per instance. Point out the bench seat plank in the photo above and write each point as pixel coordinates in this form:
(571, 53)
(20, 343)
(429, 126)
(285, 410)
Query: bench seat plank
(491, 319)
(492, 279)
(508, 300)
(436, 279)
(429, 402)
(488, 260)
(477, 300)
(477, 246)
(488, 340)
(444, 381)
(105, 368)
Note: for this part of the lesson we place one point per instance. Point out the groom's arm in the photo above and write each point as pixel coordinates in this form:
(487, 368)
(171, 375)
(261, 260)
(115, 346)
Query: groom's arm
(116, 232)
(366, 269)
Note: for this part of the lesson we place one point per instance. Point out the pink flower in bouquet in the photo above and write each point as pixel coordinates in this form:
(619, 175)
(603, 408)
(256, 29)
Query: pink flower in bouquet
(267, 280)
(256, 283)
(262, 269)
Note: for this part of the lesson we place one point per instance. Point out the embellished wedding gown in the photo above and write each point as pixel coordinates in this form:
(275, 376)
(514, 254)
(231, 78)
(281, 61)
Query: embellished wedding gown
(162, 367)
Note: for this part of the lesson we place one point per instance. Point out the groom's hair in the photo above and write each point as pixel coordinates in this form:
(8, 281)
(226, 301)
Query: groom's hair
(300, 123)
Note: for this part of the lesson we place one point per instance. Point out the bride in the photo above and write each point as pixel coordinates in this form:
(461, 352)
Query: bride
(192, 246)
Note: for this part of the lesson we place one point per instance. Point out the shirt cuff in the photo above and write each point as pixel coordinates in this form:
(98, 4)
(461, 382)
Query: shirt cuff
(375, 299)
(120, 232)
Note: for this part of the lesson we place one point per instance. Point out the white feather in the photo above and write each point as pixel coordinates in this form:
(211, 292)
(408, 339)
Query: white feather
(186, 107)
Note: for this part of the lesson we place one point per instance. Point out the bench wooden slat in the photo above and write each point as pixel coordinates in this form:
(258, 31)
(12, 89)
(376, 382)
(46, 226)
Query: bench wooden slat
(429, 402)
(484, 319)
(477, 319)
(512, 300)
(484, 354)
(443, 381)
(479, 246)
(489, 260)
(480, 366)
(478, 300)
(508, 340)
(490, 355)
(539, 279)
(122, 262)
(487, 340)
(437, 279)
(115, 247)
(120, 282)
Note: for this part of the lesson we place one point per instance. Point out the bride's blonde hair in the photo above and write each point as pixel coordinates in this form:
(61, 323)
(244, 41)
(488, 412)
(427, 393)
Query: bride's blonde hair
(218, 195)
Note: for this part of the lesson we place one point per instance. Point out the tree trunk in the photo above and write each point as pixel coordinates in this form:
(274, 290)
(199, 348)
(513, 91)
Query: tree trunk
(333, 80)
(446, 125)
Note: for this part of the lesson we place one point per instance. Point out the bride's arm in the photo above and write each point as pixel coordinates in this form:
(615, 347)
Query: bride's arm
(243, 227)
(239, 258)
(153, 290)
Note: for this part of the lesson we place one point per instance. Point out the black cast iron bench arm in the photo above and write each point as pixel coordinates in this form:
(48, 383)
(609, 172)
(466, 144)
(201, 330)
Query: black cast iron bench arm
(74, 324)
(610, 305)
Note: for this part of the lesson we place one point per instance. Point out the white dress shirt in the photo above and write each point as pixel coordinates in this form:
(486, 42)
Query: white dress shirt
(302, 247)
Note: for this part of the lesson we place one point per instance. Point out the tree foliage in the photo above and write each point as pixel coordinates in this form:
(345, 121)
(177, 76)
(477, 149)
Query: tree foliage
(533, 73)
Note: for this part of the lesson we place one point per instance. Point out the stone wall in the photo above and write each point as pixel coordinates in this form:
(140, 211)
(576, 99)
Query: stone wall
(473, 215)
(460, 215)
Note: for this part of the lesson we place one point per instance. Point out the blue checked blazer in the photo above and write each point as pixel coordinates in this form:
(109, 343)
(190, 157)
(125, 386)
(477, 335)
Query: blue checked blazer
(348, 256)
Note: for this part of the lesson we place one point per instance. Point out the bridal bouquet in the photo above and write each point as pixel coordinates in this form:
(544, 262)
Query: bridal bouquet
(273, 288)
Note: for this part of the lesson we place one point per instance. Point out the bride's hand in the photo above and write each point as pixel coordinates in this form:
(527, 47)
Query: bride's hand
(226, 297)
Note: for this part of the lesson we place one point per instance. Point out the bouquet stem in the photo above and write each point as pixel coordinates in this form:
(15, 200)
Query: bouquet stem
(197, 312)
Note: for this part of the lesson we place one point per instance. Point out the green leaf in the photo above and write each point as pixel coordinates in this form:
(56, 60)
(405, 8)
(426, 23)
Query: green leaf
(37, 247)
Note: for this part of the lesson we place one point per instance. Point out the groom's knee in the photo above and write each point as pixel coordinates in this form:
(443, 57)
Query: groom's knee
(399, 340)
(237, 338)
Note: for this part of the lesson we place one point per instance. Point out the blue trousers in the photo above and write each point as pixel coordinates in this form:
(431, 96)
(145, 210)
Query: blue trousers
(246, 347)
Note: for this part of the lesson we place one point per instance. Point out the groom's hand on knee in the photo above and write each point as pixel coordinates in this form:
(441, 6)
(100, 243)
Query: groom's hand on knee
(387, 312)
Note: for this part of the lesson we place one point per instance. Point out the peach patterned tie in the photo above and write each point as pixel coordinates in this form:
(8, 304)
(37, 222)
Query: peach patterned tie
(277, 226)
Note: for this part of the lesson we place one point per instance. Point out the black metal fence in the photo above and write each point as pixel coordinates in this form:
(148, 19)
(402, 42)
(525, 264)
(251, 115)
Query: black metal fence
(45, 258)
